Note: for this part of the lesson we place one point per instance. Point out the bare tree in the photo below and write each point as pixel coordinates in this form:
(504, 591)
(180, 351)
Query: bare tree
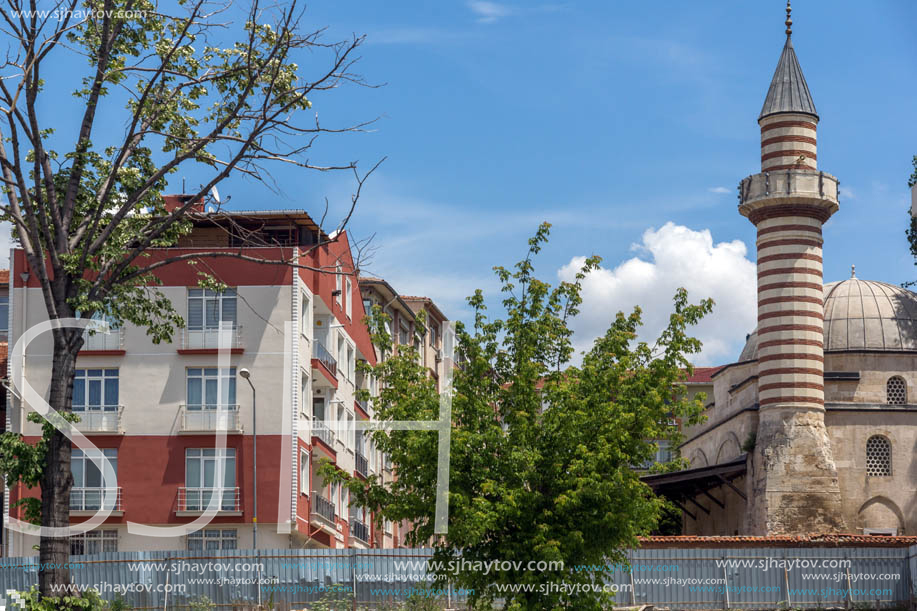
(193, 89)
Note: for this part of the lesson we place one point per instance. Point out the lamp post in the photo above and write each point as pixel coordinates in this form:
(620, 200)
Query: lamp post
(246, 374)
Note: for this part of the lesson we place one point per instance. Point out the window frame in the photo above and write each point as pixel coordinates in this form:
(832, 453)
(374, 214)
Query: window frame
(895, 379)
(209, 295)
(204, 377)
(204, 536)
(85, 378)
(887, 470)
(101, 536)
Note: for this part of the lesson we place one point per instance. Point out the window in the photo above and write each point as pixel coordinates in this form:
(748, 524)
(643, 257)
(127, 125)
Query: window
(342, 354)
(95, 390)
(368, 306)
(204, 390)
(305, 316)
(351, 363)
(433, 338)
(338, 283)
(896, 391)
(348, 302)
(336, 497)
(304, 473)
(211, 539)
(878, 456)
(88, 492)
(404, 335)
(304, 394)
(202, 483)
(4, 318)
(94, 542)
(207, 309)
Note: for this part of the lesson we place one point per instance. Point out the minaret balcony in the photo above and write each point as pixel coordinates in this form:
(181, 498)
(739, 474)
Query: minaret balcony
(781, 187)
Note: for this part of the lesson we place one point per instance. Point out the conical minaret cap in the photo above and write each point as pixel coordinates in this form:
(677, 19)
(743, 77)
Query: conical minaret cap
(788, 91)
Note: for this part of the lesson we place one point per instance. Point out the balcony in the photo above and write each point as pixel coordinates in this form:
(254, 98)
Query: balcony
(198, 500)
(104, 419)
(100, 341)
(322, 508)
(193, 340)
(210, 418)
(321, 431)
(359, 531)
(813, 185)
(321, 356)
(361, 465)
(94, 499)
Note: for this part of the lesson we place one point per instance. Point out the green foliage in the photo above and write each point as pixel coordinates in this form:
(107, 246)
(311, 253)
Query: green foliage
(85, 601)
(542, 450)
(201, 603)
(748, 445)
(337, 598)
(913, 179)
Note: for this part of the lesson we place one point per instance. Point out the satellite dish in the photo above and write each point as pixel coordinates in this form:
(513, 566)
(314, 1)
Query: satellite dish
(215, 194)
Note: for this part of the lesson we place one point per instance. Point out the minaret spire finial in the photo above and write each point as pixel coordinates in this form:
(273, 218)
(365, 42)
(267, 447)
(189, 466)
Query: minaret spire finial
(853, 271)
(789, 20)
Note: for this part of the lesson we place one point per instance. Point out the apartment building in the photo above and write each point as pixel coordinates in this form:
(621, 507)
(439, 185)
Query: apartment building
(155, 410)
(430, 344)
(404, 328)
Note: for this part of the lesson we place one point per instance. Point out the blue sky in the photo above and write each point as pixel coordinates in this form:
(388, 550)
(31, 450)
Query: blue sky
(609, 120)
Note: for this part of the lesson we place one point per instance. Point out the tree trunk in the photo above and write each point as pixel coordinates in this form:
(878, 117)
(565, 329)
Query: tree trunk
(57, 479)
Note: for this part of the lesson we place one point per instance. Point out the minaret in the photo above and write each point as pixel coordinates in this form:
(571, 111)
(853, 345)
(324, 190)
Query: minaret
(794, 479)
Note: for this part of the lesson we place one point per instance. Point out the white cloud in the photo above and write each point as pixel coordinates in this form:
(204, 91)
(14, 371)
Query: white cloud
(718, 190)
(671, 257)
(847, 193)
(489, 12)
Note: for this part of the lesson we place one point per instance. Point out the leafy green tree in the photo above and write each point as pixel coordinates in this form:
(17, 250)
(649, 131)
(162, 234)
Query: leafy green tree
(542, 452)
(206, 89)
(912, 220)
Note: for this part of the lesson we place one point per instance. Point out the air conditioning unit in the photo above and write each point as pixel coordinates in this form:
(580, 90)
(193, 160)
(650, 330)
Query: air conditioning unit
(439, 354)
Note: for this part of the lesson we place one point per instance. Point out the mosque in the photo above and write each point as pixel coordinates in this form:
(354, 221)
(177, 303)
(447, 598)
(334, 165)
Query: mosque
(814, 428)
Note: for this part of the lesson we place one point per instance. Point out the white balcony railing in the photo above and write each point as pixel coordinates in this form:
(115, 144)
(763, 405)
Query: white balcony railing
(93, 499)
(106, 419)
(210, 418)
(201, 339)
(200, 499)
(99, 340)
(321, 430)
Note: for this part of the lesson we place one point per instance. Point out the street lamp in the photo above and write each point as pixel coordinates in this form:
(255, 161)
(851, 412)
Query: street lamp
(246, 374)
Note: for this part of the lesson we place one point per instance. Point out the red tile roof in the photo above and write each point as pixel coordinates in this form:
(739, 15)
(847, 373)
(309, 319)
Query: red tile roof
(812, 540)
(702, 375)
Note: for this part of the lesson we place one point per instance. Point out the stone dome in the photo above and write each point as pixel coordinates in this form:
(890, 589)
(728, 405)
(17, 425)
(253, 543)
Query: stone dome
(862, 315)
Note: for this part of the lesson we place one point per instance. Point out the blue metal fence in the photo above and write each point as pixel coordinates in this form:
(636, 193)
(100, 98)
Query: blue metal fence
(683, 578)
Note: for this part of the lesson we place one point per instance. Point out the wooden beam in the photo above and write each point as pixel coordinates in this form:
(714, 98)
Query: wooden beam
(685, 509)
(731, 485)
(714, 499)
(705, 510)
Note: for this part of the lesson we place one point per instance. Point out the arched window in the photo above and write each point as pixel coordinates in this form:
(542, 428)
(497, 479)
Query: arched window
(878, 456)
(896, 391)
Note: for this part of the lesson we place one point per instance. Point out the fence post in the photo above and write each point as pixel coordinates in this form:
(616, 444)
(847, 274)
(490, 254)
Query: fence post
(165, 596)
(786, 582)
(849, 593)
(353, 577)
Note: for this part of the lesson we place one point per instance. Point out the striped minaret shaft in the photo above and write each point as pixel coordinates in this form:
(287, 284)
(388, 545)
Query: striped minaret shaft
(789, 244)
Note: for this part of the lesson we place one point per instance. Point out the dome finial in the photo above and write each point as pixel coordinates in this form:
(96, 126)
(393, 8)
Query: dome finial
(853, 271)
(789, 20)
